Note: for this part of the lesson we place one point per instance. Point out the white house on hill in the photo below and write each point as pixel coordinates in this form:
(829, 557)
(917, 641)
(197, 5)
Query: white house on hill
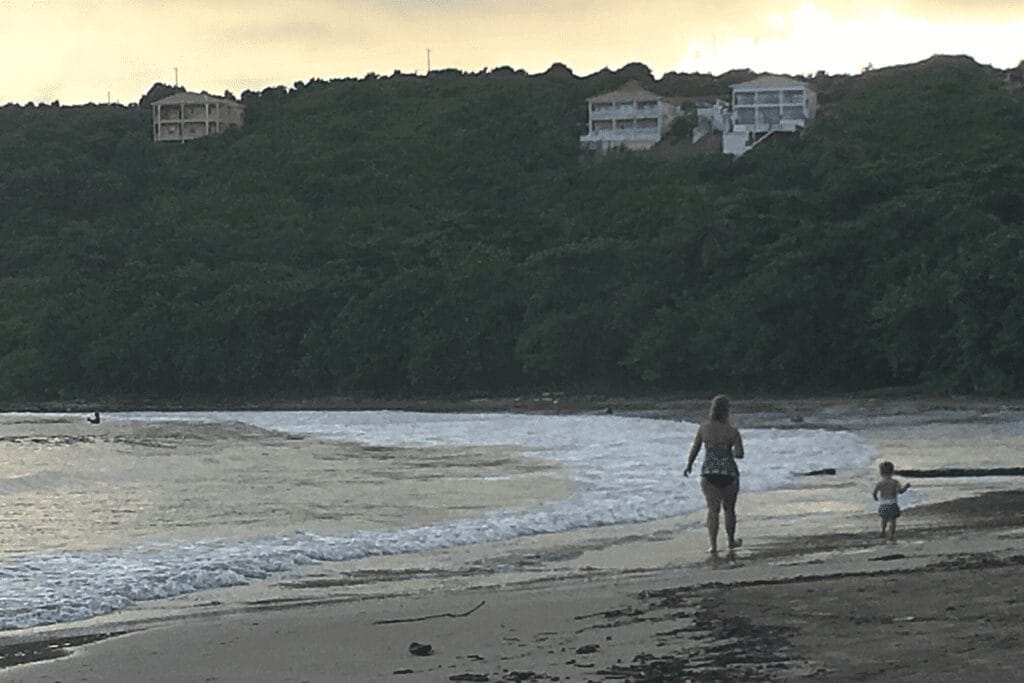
(766, 105)
(188, 115)
(630, 117)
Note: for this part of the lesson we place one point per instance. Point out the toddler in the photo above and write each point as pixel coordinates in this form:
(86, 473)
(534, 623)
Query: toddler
(886, 491)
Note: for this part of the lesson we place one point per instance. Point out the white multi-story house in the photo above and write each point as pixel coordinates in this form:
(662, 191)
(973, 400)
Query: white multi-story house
(187, 116)
(766, 105)
(630, 118)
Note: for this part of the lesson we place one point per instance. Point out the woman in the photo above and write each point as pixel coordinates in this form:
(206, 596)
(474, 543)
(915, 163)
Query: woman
(719, 476)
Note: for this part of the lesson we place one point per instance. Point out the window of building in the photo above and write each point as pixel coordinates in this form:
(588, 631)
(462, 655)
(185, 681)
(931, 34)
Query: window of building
(744, 116)
(793, 113)
(792, 96)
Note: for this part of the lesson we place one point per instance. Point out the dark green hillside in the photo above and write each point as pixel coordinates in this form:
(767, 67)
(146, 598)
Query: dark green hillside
(446, 234)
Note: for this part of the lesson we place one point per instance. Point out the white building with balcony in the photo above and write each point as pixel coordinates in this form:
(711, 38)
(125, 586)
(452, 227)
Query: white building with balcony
(766, 105)
(187, 116)
(628, 118)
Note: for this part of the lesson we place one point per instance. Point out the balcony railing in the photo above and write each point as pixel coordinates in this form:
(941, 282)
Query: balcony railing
(622, 134)
(629, 112)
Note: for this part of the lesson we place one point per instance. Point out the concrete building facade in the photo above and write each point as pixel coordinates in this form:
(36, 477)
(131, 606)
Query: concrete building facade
(187, 116)
(628, 118)
(766, 105)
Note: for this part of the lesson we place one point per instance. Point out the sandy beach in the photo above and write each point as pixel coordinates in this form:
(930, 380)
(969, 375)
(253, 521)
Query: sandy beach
(808, 596)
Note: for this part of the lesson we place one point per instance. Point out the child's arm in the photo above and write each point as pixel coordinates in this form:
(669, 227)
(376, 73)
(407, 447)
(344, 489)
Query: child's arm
(874, 494)
(903, 489)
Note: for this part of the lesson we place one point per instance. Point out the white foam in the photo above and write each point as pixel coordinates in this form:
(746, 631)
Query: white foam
(623, 470)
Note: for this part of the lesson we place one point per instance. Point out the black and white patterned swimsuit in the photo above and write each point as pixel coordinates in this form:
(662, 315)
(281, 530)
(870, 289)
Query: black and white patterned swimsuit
(719, 466)
(888, 508)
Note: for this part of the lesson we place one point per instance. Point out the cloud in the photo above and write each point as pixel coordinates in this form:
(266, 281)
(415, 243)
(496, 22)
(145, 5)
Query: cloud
(288, 32)
(848, 41)
(77, 51)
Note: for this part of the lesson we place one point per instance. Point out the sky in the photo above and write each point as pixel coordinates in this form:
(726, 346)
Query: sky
(78, 51)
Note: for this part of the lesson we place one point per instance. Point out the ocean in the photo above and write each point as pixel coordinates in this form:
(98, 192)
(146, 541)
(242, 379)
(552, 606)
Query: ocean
(95, 519)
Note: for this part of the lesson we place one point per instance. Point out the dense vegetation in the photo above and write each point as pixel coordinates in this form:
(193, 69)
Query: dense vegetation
(446, 234)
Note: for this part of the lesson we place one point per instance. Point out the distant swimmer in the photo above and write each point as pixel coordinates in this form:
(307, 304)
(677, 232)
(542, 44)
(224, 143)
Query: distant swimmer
(94, 419)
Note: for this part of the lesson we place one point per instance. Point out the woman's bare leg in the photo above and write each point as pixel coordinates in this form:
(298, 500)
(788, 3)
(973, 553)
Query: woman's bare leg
(732, 491)
(713, 496)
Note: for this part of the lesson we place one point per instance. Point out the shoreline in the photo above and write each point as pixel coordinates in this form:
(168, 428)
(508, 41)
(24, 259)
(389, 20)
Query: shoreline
(815, 606)
(531, 402)
(669, 613)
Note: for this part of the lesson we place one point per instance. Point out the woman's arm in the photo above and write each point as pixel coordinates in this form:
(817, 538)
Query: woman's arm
(737, 446)
(694, 450)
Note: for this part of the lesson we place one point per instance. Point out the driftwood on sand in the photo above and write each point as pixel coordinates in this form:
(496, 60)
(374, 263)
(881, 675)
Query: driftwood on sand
(431, 616)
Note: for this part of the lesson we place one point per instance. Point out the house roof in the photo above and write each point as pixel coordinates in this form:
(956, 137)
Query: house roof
(769, 81)
(194, 98)
(629, 89)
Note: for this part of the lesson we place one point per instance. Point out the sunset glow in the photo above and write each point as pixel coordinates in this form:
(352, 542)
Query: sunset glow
(80, 51)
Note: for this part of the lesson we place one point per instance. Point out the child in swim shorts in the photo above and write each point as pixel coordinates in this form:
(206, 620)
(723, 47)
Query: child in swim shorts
(886, 491)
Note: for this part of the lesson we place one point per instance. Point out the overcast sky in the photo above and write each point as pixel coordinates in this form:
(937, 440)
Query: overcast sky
(79, 50)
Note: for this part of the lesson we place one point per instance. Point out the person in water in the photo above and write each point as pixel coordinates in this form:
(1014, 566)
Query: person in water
(94, 418)
(886, 491)
(719, 475)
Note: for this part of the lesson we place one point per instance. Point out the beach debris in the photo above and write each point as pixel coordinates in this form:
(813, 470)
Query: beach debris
(587, 649)
(421, 649)
(400, 672)
(431, 616)
(469, 677)
(887, 558)
(963, 472)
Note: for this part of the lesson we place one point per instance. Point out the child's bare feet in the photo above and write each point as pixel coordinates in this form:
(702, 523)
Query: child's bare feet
(735, 543)
(712, 550)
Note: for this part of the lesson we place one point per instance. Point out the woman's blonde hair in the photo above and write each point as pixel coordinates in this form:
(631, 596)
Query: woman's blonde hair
(719, 409)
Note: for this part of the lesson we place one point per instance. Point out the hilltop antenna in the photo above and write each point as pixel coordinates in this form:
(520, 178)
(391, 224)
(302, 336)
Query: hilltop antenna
(175, 77)
(428, 60)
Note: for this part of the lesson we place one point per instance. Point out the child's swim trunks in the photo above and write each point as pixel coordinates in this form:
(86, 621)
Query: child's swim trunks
(888, 508)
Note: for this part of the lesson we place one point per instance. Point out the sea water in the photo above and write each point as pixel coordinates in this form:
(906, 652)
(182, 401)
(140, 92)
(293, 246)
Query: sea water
(103, 537)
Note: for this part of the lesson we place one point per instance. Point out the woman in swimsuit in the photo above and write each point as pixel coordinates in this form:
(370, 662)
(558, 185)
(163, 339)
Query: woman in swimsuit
(719, 476)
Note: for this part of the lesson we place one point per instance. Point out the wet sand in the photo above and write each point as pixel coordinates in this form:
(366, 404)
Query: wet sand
(809, 595)
(944, 602)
